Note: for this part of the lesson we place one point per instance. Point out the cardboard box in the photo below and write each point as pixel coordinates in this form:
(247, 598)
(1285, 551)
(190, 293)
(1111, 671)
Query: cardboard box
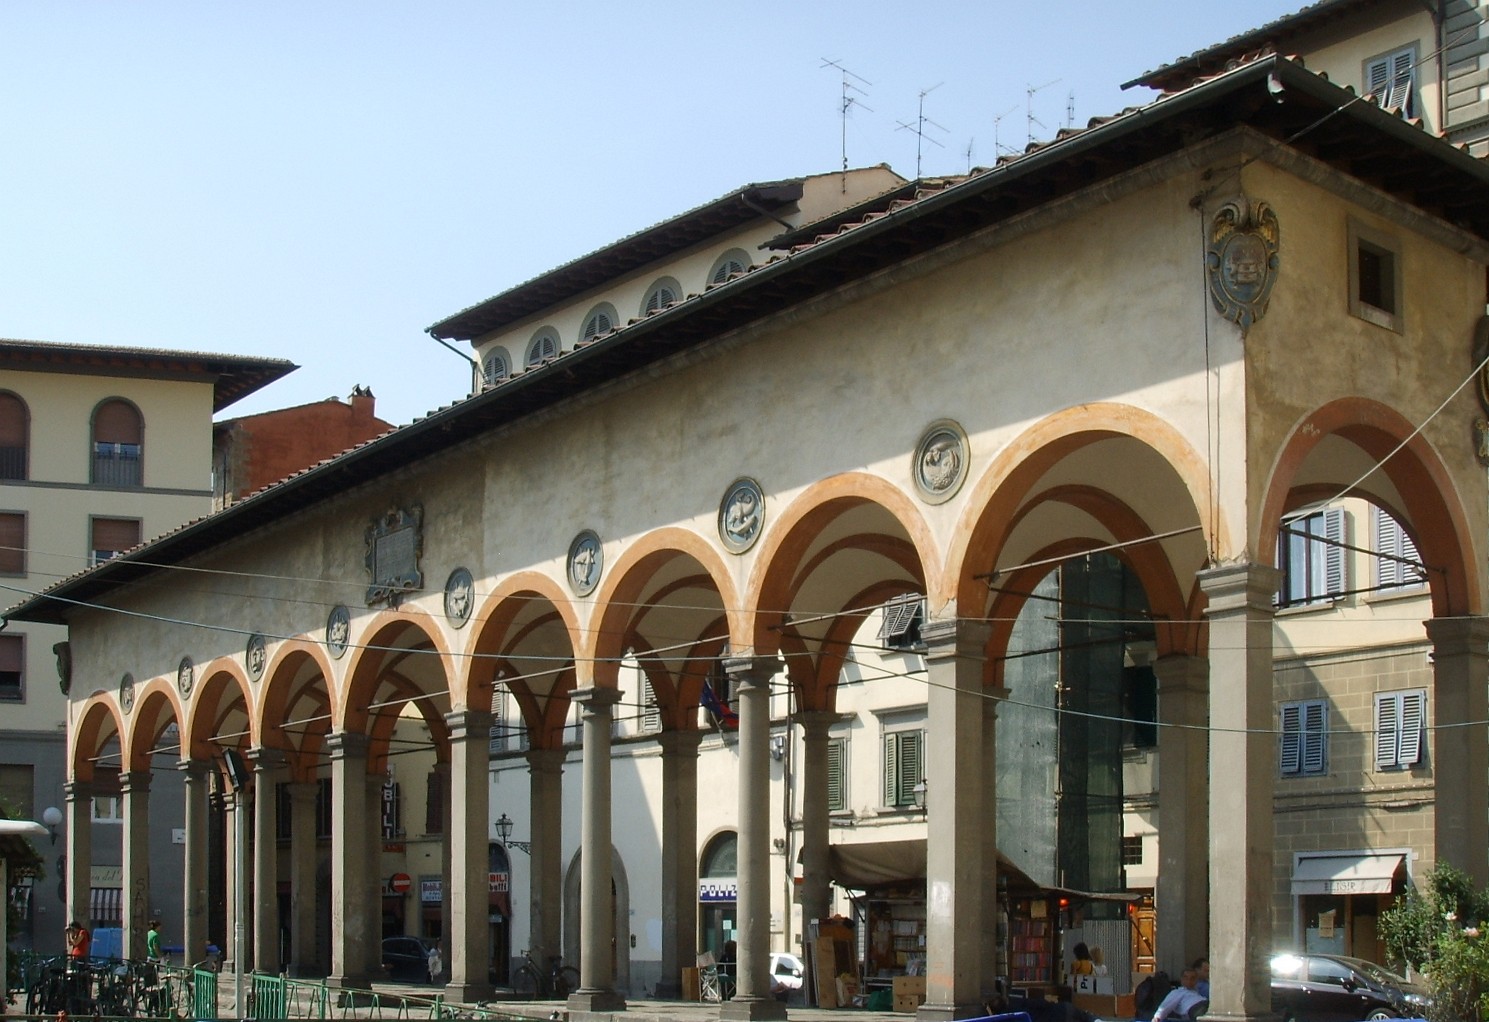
(909, 985)
(1106, 1005)
(908, 1002)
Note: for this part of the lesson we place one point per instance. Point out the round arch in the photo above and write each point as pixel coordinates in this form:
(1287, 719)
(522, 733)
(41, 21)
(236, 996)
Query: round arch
(155, 706)
(369, 659)
(98, 721)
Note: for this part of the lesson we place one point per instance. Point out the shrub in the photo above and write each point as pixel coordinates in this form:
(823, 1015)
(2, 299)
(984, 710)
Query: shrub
(1442, 934)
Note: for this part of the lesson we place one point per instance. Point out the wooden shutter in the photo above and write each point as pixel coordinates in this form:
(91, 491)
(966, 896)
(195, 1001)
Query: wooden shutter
(1413, 720)
(116, 422)
(1315, 736)
(1292, 737)
(1387, 729)
(891, 769)
(115, 534)
(651, 713)
(1333, 553)
(835, 793)
(12, 544)
(12, 421)
(434, 798)
(1399, 94)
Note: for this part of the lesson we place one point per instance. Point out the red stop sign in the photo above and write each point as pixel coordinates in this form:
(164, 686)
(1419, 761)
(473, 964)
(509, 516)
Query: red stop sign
(398, 883)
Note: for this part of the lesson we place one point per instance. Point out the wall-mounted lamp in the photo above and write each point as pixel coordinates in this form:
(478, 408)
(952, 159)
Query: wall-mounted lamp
(921, 791)
(778, 747)
(52, 817)
(503, 826)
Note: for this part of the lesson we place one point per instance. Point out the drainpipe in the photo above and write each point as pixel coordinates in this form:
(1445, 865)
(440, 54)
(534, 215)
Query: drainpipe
(475, 367)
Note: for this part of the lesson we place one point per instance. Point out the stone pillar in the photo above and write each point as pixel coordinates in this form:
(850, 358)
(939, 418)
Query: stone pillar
(79, 875)
(1242, 773)
(545, 769)
(303, 953)
(596, 902)
(372, 889)
(467, 901)
(355, 918)
(988, 967)
(955, 773)
(1460, 695)
(816, 883)
(134, 789)
(198, 785)
(268, 766)
(679, 858)
(230, 818)
(447, 852)
(1183, 895)
(751, 683)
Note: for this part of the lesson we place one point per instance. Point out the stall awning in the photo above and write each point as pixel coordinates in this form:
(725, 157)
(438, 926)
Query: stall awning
(1354, 873)
(866, 864)
(106, 906)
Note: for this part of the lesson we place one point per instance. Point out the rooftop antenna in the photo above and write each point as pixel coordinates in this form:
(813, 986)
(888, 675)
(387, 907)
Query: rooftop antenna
(849, 101)
(919, 127)
(1070, 109)
(1030, 119)
(999, 149)
(970, 143)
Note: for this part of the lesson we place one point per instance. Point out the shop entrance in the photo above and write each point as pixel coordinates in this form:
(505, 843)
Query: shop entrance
(718, 887)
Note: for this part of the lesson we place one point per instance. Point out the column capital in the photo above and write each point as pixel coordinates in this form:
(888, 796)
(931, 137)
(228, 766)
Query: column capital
(194, 770)
(1243, 585)
(1457, 635)
(680, 743)
(265, 759)
(1180, 673)
(546, 761)
(470, 725)
(347, 744)
(77, 791)
(135, 782)
(749, 671)
(815, 723)
(946, 638)
(596, 697)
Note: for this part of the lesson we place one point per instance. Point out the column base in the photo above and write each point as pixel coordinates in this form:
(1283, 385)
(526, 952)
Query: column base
(947, 1012)
(351, 990)
(1265, 1016)
(469, 993)
(595, 1001)
(751, 1009)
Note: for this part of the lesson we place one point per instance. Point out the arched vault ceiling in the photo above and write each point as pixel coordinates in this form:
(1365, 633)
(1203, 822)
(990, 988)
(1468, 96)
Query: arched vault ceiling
(855, 521)
(1049, 524)
(836, 580)
(1334, 464)
(1131, 472)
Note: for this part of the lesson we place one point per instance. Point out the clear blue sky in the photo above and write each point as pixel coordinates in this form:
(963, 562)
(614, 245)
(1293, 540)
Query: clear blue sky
(321, 180)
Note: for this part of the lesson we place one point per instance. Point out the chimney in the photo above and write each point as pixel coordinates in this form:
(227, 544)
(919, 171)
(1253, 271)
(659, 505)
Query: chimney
(363, 403)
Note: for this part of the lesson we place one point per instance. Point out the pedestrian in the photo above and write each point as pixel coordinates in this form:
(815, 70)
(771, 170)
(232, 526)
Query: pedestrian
(152, 942)
(1201, 969)
(436, 963)
(77, 940)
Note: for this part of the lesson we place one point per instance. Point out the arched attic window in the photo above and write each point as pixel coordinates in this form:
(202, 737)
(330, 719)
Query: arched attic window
(601, 320)
(542, 347)
(660, 295)
(734, 261)
(15, 437)
(495, 367)
(118, 444)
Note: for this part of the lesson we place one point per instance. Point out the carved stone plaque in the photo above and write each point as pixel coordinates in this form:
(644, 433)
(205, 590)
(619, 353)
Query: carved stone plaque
(185, 677)
(126, 692)
(256, 656)
(338, 631)
(395, 542)
(939, 465)
(1241, 260)
(741, 515)
(586, 563)
(460, 597)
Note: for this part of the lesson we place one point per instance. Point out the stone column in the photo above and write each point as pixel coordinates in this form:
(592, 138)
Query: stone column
(988, 967)
(447, 851)
(816, 883)
(372, 888)
(1460, 695)
(355, 917)
(268, 765)
(304, 959)
(1183, 895)
(134, 788)
(468, 898)
(955, 774)
(596, 902)
(1242, 772)
(194, 934)
(679, 858)
(751, 683)
(230, 821)
(79, 876)
(545, 769)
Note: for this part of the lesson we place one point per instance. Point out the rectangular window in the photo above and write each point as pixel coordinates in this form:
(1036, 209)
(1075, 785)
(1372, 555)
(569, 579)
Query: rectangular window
(434, 801)
(1389, 78)
(107, 805)
(903, 766)
(1132, 849)
(113, 536)
(12, 669)
(1305, 737)
(837, 775)
(1311, 556)
(283, 813)
(17, 789)
(1375, 282)
(116, 464)
(1391, 543)
(498, 725)
(323, 797)
(900, 627)
(12, 543)
(1399, 721)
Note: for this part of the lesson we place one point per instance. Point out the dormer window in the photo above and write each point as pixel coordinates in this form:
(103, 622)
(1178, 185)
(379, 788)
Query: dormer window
(601, 320)
(660, 295)
(732, 262)
(494, 367)
(541, 348)
(1389, 79)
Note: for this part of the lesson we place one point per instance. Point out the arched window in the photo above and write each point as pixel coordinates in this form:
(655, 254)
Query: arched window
(495, 368)
(542, 347)
(660, 295)
(15, 437)
(601, 320)
(118, 444)
(731, 262)
(721, 857)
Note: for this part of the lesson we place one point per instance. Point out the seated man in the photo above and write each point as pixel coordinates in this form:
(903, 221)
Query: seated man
(1182, 999)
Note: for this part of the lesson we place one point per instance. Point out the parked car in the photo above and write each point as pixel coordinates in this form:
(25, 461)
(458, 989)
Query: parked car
(786, 972)
(1333, 988)
(406, 959)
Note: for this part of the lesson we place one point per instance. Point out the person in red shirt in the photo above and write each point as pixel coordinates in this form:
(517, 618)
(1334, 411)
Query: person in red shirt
(78, 940)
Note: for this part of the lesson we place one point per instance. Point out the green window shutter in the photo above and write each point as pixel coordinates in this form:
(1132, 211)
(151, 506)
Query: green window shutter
(891, 769)
(836, 801)
(911, 766)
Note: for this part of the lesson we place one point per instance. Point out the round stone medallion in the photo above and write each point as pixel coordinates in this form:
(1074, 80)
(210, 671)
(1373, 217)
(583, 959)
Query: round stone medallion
(586, 563)
(460, 597)
(256, 656)
(741, 515)
(939, 465)
(185, 676)
(126, 692)
(338, 631)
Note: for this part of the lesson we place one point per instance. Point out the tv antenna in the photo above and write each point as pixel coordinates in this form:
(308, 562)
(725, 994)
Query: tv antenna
(970, 143)
(1070, 109)
(999, 149)
(921, 121)
(1031, 120)
(848, 102)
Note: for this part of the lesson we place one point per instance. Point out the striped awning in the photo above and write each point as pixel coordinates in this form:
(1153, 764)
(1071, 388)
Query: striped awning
(106, 906)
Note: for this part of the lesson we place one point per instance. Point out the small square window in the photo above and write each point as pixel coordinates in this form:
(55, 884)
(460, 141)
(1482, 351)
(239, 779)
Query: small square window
(1132, 849)
(12, 543)
(12, 669)
(1375, 291)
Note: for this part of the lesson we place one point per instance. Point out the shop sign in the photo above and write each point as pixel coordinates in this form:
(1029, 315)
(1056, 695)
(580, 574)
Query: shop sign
(718, 889)
(106, 876)
(431, 890)
(498, 882)
(1343, 887)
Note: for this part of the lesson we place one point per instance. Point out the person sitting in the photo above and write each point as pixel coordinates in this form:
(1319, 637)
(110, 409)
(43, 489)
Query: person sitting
(1083, 965)
(1201, 969)
(1182, 1000)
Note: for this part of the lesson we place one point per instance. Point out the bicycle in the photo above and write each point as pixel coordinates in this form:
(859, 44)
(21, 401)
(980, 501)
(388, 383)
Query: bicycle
(529, 981)
(65, 984)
